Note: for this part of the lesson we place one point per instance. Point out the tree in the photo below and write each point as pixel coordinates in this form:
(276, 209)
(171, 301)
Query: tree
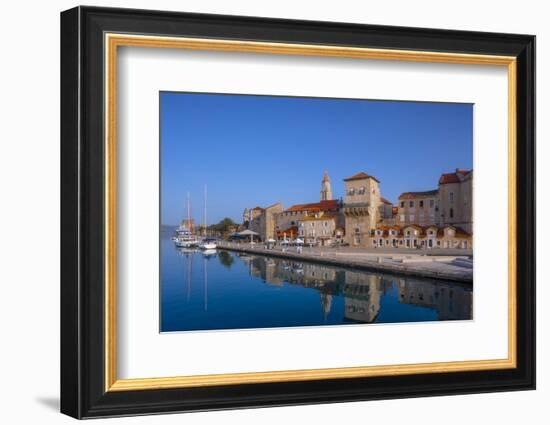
(223, 226)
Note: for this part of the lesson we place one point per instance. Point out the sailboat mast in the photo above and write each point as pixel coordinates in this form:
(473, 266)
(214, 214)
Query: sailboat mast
(188, 211)
(204, 210)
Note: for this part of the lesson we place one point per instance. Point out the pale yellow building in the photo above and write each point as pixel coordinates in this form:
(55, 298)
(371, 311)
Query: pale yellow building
(318, 229)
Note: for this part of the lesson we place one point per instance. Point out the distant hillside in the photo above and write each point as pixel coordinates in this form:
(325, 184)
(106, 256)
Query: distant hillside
(164, 228)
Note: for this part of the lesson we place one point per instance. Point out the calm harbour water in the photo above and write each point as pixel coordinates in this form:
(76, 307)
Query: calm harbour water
(226, 290)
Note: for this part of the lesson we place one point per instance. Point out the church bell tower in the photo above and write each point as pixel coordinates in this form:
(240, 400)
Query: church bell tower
(326, 190)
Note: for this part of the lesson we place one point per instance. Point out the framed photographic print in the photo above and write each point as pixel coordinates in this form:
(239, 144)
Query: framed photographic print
(261, 212)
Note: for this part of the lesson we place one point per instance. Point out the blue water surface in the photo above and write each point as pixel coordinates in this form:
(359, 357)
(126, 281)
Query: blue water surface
(227, 290)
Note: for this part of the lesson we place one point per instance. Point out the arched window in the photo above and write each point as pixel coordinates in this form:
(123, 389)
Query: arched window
(451, 213)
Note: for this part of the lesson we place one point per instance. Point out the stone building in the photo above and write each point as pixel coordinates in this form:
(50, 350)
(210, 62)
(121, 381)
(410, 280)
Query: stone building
(361, 207)
(387, 212)
(420, 208)
(455, 199)
(263, 220)
(320, 228)
(287, 222)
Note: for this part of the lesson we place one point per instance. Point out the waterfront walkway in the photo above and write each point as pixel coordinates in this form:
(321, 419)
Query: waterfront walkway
(440, 264)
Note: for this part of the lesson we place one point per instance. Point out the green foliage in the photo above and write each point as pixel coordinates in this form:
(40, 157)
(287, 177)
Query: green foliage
(223, 226)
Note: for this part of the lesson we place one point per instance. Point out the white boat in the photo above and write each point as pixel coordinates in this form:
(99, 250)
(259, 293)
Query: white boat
(186, 242)
(208, 244)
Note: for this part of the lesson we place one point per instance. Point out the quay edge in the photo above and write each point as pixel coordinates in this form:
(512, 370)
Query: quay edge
(353, 264)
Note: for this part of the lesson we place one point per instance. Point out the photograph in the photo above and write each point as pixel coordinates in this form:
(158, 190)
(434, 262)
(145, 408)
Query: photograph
(285, 211)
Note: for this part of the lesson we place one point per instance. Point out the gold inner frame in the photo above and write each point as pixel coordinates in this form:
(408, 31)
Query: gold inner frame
(113, 41)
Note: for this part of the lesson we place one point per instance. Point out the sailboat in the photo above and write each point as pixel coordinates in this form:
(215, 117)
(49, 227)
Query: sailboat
(207, 243)
(184, 237)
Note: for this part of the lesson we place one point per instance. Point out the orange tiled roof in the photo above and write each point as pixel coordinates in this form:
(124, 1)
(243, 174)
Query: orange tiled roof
(316, 206)
(455, 177)
(360, 176)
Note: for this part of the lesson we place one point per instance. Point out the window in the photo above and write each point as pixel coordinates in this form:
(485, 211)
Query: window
(361, 190)
(451, 197)
(451, 213)
(325, 223)
(421, 204)
(432, 203)
(402, 217)
(351, 192)
(408, 232)
(402, 204)
(411, 204)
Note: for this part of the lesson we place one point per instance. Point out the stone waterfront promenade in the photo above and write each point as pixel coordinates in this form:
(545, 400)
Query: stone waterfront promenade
(455, 265)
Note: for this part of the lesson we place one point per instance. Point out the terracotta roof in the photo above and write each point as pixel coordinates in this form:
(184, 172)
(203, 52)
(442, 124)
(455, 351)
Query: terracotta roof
(459, 232)
(385, 201)
(257, 208)
(385, 229)
(360, 176)
(317, 206)
(412, 195)
(455, 177)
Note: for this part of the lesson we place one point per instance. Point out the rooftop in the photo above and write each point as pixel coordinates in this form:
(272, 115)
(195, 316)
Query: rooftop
(361, 176)
(316, 206)
(412, 195)
(456, 177)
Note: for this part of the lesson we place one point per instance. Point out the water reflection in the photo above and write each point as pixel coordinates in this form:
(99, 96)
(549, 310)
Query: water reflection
(362, 291)
(218, 289)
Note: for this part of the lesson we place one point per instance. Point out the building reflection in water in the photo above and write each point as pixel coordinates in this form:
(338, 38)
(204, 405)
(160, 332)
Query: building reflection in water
(363, 291)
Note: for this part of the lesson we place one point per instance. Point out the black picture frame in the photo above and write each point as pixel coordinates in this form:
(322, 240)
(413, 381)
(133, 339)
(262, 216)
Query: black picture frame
(83, 392)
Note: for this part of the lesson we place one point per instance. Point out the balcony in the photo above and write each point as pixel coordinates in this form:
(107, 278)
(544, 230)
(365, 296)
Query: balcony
(356, 209)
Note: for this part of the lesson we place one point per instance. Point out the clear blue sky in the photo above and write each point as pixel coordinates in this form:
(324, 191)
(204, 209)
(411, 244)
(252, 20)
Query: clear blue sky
(258, 150)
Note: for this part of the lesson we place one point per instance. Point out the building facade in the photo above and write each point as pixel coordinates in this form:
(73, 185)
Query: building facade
(455, 199)
(420, 208)
(319, 229)
(438, 218)
(263, 220)
(361, 208)
(313, 220)
(413, 236)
